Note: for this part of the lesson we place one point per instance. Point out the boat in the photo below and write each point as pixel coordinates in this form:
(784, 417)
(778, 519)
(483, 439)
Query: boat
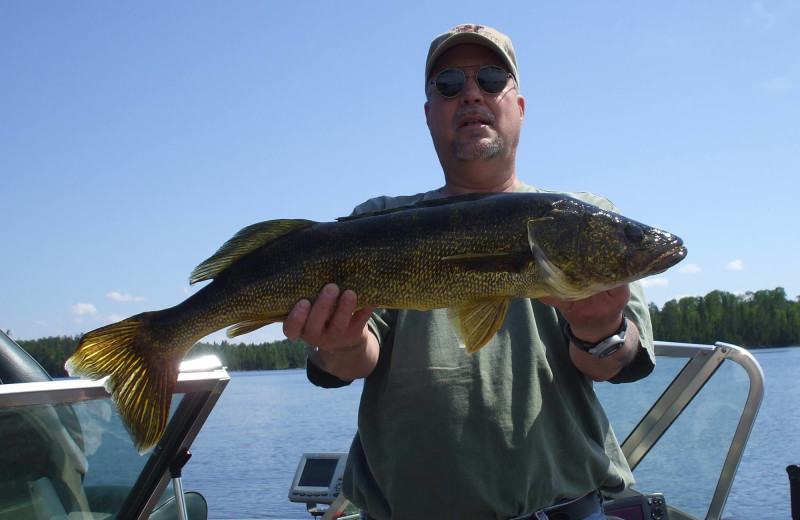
(66, 455)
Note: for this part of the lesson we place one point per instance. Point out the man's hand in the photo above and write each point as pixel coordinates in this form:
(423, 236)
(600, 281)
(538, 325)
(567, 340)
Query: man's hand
(593, 319)
(596, 317)
(345, 346)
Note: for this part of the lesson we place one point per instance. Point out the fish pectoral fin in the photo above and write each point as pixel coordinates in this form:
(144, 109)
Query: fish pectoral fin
(251, 325)
(512, 261)
(477, 321)
(244, 242)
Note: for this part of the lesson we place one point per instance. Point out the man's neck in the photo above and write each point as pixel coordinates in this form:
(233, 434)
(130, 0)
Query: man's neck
(463, 186)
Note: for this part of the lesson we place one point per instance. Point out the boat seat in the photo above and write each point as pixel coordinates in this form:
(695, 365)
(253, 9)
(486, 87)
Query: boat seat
(38, 446)
(17, 366)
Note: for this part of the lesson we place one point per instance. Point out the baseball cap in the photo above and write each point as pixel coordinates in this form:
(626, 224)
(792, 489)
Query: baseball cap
(482, 35)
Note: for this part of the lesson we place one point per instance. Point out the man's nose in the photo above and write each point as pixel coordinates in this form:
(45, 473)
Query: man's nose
(472, 92)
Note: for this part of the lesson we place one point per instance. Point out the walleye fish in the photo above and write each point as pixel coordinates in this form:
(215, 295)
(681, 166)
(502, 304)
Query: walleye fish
(469, 254)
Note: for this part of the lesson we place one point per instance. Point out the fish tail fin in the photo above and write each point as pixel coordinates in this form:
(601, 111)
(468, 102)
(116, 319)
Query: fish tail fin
(141, 375)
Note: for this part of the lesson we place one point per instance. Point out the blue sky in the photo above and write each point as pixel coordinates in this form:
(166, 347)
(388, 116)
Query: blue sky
(136, 137)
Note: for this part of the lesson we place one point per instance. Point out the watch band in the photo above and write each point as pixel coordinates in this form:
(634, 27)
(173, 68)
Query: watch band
(604, 347)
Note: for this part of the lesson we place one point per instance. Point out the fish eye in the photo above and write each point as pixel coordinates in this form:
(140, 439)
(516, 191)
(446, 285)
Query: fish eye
(634, 233)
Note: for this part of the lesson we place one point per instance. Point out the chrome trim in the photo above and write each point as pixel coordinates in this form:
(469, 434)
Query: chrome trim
(192, 430)
(60, 390)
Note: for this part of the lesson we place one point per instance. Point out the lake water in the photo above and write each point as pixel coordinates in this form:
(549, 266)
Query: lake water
(245, 457)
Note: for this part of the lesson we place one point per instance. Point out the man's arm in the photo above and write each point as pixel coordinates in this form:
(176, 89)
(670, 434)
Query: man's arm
(342, 343)
(594, 319)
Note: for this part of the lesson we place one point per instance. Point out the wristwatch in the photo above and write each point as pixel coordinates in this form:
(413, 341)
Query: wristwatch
(602, 348)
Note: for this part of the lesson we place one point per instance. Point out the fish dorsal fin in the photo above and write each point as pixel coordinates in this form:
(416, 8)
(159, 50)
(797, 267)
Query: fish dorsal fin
(477, 321)
(244, 242)
(432, 203)
(513, 261)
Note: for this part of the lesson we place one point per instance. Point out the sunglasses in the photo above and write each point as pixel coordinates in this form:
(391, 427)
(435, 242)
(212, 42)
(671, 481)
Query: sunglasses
(451, 82)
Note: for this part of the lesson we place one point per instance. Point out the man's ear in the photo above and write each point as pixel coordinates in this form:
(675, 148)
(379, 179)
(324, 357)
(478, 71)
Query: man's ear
(427, 109)
(521, 103)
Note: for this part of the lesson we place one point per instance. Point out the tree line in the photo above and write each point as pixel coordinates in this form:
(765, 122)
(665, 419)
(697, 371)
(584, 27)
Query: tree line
(52, 353)
(754, 319)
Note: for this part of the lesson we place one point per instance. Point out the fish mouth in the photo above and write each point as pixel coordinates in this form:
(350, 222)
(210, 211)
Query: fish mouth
(674, 252)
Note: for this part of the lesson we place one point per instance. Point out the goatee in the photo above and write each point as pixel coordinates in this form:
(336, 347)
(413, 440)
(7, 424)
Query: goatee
(476, 148)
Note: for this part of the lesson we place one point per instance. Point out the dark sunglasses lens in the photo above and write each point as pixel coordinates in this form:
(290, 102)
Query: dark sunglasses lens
(492, 79)
(449, 83)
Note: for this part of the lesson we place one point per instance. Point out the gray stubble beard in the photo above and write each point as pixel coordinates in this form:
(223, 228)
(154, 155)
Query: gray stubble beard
(472, 150)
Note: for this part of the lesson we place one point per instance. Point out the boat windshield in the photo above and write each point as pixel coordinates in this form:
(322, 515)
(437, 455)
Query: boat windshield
(682, 425)
(66, 453)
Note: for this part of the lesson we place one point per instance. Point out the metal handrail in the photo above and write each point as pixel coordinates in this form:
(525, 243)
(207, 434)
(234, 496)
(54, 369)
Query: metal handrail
(704, 360)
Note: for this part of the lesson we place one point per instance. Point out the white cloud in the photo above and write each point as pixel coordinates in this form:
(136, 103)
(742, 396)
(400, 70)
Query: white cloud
(119, 297)
(689, 269)
(655, 282)
(83, 309)
(113, 318)
(735, 265)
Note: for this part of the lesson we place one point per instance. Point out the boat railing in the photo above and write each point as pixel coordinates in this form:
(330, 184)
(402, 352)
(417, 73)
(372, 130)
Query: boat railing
(703, 361)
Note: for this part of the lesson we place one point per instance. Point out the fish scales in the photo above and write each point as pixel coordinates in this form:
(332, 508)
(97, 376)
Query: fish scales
(469, 254)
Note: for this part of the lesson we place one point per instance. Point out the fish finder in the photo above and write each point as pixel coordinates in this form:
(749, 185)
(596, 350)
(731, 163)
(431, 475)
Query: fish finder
(318, 478)
(643, 507)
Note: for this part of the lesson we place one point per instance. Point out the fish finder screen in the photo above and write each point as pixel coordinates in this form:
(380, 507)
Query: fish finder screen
(318, 472)
(630, 513)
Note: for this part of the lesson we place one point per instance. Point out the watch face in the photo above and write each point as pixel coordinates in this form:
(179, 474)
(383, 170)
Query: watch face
(600, 349)
(608, 346)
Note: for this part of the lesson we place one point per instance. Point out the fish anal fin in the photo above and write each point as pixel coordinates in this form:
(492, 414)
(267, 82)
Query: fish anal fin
(477, 321)
(243, 243)
(251, 325)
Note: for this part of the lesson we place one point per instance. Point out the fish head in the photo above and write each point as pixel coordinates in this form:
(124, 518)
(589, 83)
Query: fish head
(581, 250)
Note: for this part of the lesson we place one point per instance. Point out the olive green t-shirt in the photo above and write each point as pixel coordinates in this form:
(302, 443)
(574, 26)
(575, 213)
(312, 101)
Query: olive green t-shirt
(496, 434)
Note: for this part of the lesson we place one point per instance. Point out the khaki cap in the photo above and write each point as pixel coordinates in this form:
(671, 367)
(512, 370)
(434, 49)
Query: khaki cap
(482, 35)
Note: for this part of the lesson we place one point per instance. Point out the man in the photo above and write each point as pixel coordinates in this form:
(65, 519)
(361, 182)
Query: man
(514, 430)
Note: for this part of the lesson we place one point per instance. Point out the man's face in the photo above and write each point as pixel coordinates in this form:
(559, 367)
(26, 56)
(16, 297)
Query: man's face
(473, 125)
